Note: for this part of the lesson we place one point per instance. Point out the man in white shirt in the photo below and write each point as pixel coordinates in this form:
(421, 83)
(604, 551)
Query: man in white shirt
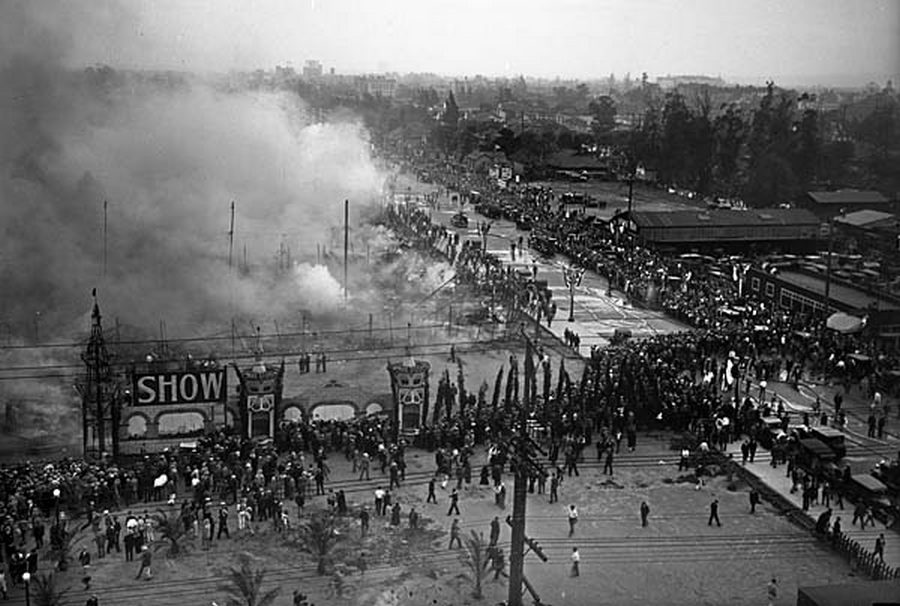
(576, 559)
(573, 518)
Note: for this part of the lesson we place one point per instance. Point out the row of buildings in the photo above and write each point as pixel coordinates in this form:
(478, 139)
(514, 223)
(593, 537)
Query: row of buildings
(837, 250)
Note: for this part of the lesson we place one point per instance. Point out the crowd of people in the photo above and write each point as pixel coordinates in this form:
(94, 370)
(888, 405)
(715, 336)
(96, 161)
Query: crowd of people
(697, 381)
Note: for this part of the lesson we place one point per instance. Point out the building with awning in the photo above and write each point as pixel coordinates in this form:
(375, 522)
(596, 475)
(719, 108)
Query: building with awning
(787, 229)
(803, 292)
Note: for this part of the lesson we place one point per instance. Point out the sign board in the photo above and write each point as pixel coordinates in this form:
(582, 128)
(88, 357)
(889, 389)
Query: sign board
(192, 387)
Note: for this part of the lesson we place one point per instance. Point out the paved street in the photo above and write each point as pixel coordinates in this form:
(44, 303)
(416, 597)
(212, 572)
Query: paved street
(597, 314)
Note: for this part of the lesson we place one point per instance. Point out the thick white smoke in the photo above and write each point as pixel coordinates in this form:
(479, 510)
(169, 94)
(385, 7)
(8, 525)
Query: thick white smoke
(169, 154)
(321, 292)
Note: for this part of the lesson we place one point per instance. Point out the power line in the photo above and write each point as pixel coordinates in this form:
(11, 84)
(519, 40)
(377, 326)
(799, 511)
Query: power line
(322, 333)
(484, 346)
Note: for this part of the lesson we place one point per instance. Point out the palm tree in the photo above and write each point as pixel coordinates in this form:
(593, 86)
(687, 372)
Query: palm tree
(476, 561)
(244, 586)
(171, 529)
(318, 536)
(45, 592)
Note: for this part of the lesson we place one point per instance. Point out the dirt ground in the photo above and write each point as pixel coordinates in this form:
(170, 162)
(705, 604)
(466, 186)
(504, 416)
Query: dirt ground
(677, 559)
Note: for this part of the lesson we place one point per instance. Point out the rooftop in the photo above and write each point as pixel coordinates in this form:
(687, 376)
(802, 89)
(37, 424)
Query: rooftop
(571, 160)
(848, 196)
(724, 218)
(851, 297)
(865, 218)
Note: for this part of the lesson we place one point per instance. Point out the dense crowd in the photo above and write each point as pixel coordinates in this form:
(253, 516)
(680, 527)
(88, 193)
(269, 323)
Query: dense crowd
(698, 381)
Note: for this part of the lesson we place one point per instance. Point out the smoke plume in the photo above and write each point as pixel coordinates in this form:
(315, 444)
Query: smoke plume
(167, 153)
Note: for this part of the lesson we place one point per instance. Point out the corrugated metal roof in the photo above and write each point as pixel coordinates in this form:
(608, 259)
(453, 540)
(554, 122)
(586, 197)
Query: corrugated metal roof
(848, 196)
(862, 218)
(722, 218)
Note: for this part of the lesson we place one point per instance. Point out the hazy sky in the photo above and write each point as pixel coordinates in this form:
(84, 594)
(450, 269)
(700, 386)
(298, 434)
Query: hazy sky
(749, 40)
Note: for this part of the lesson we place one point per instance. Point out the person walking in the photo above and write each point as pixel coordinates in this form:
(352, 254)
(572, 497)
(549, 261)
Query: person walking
(364, 466)
(432, 498)
(573, 519)
(495, 531)
(754, 500)
(645, 513)
(454, 534)
(554, 489)
(879, 547)
(454, 503)
(608, 464)
(576, 560)
(714, 513)
(499, 563)
(146, 562)
(772, 591)
(364, 521)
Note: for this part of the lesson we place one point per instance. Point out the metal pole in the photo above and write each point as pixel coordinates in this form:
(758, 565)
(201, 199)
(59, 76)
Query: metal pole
(572, 302)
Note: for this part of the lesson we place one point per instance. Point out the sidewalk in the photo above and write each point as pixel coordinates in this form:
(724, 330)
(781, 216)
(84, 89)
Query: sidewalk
(777, 480)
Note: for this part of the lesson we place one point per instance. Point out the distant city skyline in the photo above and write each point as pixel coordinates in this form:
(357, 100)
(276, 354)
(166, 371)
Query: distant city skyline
(794, 42)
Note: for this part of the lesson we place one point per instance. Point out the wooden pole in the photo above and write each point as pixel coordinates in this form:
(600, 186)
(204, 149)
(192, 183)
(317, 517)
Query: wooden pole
(346, 243)
(105, 228)
(520, 494)
(231, 236)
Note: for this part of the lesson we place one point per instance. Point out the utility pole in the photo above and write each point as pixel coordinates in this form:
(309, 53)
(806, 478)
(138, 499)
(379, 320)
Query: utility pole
(525, 466)
(827, 302)
(630, 194)
(231, 236)
(105, 225)
(346, 244)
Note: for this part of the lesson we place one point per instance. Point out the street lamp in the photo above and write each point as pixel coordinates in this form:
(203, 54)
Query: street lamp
(26, 576)
(56, 494)
(572, 277)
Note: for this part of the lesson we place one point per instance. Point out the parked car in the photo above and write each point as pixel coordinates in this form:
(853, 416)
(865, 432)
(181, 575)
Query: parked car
(832, 437)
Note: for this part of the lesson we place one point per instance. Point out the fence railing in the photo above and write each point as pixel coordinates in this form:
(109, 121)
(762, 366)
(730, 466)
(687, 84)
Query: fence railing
(860, 558)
